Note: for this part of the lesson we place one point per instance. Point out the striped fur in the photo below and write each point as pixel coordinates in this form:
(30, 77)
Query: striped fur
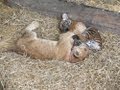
(89, 35)
(92, 33)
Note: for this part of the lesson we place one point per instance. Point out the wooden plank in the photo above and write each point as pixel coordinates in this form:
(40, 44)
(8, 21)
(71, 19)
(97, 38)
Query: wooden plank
(103, 20)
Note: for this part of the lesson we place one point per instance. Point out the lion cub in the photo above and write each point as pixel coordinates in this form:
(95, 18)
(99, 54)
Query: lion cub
(63, 49)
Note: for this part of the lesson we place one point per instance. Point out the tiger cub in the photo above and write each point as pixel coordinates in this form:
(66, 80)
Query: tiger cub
(90, 35)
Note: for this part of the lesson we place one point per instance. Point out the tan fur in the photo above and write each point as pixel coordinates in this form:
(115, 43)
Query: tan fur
(46, 49)
(78, 28)
(5, 46)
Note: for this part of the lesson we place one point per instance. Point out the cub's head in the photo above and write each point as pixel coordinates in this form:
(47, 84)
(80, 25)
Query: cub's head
(65, 23)
(79, 50)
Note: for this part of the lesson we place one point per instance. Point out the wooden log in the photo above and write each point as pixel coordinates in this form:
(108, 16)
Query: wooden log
(102, 19)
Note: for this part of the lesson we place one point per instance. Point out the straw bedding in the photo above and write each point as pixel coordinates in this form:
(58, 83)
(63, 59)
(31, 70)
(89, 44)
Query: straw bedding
(100, 71)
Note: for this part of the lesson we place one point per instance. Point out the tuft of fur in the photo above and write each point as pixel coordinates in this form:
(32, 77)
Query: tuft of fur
(93, 45)
(6, 45)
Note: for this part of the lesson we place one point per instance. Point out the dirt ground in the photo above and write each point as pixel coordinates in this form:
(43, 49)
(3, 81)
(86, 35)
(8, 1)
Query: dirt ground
(101, 71)
(111, 5)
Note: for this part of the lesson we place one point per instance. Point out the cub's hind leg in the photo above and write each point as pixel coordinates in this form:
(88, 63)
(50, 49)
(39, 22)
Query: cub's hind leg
(29, 33)
(28, 36)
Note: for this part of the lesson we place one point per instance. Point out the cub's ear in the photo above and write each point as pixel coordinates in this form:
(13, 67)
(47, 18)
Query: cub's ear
(75, 37)
(77, 41)
(65, 16)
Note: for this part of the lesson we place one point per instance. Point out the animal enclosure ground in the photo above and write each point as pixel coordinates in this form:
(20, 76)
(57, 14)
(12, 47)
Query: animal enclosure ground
(98, 72)
(112, 5)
